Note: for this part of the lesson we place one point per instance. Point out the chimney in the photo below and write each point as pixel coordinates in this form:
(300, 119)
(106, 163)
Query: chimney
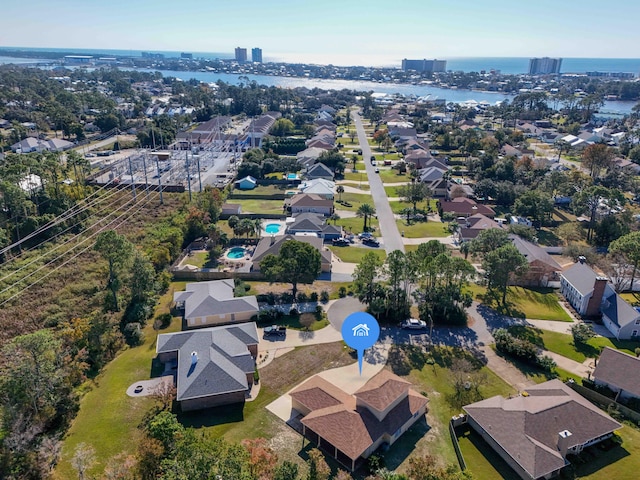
(273, 239)
(593, 307)
(564, 438)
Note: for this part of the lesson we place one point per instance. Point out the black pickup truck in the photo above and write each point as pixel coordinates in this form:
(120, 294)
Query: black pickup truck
(275, 330)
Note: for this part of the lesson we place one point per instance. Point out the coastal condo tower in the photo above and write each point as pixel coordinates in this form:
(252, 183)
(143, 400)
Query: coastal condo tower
(428, 66)
(544, 66)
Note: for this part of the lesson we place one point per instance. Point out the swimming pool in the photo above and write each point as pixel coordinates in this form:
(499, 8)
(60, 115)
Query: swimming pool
(292, 176)
(272, 228)
(236, 253)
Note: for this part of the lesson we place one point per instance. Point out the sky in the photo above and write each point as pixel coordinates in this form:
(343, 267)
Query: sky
(344, 32)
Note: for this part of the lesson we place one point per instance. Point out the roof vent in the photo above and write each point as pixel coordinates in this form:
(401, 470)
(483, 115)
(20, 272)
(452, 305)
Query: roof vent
(194, 358)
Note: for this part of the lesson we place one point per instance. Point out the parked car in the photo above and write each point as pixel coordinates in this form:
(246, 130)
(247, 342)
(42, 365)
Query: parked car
(370, 241)
(414, 324)
(373, 158)
(340, 242)
(373, 162)
(377, 170)
(364, 235)
(277, 330)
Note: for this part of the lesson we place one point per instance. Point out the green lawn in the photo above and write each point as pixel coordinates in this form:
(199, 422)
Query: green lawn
(262, 190)
(434, 380)
(398, 206)
(360, 175)
(200, 259)
(108, 418)
(355, 199)
(392, 192)
(355, 224)
(351, 183)
(562, 343)
(260, 206)
(632, 298)
(423, 229)
(482, 460)
(389, 175)
(619, 463)
(534, 303)
(354, 254)
(307, 321)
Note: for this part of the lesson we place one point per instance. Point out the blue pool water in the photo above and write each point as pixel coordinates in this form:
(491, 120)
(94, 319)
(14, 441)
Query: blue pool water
(272, 228)
(292, 176)
(236, 253)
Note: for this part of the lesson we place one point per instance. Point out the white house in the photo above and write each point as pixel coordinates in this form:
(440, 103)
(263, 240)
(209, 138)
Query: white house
(583, 288)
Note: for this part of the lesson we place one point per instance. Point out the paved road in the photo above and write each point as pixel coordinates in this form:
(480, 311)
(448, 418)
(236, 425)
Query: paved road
(386, 218)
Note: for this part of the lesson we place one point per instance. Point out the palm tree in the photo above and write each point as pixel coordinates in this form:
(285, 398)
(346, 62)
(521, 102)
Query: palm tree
(340, 191)
(366, 211)
(257, 227)
(335, 217)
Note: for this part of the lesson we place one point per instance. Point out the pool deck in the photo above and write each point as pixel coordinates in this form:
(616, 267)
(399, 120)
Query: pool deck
(281, 230)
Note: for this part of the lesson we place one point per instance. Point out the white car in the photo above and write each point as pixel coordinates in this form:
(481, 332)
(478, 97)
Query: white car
(414, 324)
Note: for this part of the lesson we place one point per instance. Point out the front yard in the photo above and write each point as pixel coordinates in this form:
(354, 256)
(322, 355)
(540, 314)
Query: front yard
(426, 229)
(534, 303)
(353, 254)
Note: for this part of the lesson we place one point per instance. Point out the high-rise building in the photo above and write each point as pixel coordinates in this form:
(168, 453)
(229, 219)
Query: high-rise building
(241, 55)
(544, 66)
(256, 55)
(424, 65)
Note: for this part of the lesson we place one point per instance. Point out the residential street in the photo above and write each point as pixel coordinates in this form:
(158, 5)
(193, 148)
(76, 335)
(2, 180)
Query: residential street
(388, 228)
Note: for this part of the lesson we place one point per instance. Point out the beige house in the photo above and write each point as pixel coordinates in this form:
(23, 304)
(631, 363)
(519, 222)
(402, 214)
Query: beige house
(310, 203)
(272, 245)
(352, 427)
(212, 303)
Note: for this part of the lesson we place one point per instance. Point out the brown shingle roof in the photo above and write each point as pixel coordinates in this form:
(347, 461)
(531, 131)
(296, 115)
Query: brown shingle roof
(620, 370)
(466, 206)
(382, 390)
(310, 200)
(317, 393)
(527, 427)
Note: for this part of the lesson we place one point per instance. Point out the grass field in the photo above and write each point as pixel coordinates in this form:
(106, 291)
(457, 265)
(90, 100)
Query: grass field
(355, 224)
(388, 175)
(434, 380)
(108, 418)
(354, 254)
(482, 460)
(355, 199)
(332, 288)
(260, 206)
(351, 183)
(562, 343)
(200, 259)
(398, 206)
(534, 303)
(262, 190)
(423, 229)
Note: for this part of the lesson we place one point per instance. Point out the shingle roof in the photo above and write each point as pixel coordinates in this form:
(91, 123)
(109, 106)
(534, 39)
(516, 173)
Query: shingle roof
(618, 310)
(466, 206)
(350, 428)
(310, 200)
(222, 358)
(533, 252)
(273, 245)
(215, 297)
(619, 369)
(527, 427)
(581, 277)
(319, 170)
(382, 390)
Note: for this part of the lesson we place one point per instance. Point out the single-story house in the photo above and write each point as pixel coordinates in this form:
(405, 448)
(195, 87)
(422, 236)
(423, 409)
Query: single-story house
(246, 183)
(470, 227)
(583, 288)
(319, 186)
(313, 223)
(542, 267)
(308, 202)
(352, 427)
(620, 318)
(318, 170)
(536, 430)
(213, 303)
(309, 156)
(272, 245)
(32, 144)
(213, 366)
(320, 143)
(620, 372)
(464, 207)
(515, 220)
(434, 179)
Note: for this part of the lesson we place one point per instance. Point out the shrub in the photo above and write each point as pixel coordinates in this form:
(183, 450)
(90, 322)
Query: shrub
(637, 352)
(507, 343)
(313, 297)
(547, 363)
(342, 292)
(302, 297)
(256, 375)
(582, 332)
(319, 309)
(286, 297)
(133, 334)
(294, 312)
(324, 296)
(162, 321)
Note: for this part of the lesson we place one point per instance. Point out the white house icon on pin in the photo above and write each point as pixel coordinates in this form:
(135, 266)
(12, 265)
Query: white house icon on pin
(361, 330)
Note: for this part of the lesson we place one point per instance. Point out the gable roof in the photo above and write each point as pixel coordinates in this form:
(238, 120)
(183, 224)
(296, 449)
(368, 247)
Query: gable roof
(319, 170)
(221, 362)
(618, 310)
(307, 221)
(466, 206)
(619, 369)
(527, 427)
(350, 428)
(581, 277)
(272, 246)
(309, 200)
(382, 390)
(533, 252)
(318, 186)
(215, 297)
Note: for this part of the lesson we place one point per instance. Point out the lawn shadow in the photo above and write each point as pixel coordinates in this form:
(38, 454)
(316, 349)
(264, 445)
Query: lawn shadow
(496, 320)
(530, 334)
(211, 417)
(406, 444)
(587, 350)
(470, 439)
(599, 458)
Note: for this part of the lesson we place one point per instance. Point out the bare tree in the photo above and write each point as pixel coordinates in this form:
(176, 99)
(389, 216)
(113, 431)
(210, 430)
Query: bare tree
(164, 394)
(83, 459)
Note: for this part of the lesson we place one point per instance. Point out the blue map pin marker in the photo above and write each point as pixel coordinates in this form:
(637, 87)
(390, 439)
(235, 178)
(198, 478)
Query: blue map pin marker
(360, 331)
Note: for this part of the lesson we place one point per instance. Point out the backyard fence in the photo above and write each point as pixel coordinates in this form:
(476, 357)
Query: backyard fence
(456, 446)
(604, 402)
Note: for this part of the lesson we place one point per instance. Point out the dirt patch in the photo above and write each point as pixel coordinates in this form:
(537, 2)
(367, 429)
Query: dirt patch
(258, 288)
(302, 363)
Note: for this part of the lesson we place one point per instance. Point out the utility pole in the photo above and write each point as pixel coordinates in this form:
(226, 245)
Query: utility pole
(159, 180)
(146, 181)
(199, 174)
(188, 177)
(133, 185)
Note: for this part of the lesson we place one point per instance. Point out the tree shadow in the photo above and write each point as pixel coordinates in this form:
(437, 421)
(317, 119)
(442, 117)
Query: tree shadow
(530, 334)
(597, 458)
(211, 417)
(397, 453)
(587, 350)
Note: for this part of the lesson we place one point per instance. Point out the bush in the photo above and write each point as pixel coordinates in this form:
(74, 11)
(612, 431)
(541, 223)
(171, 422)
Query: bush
(133, 334)
(324, 296)
(319, 309)
(256, 375)
(547, 363)
(162, 321)
(342, 292)
(637, 351)
(523, 349)
(294, 312)
(286, 297)
(313, 297)
(582, 332)
(302, 297)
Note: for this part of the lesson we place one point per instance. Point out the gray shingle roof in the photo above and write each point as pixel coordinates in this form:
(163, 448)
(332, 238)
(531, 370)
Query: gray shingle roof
(223, 359)
(527, 427)
(213, 298)
(533, 252)
(619, 369)
(618, 310)
(581, 277)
